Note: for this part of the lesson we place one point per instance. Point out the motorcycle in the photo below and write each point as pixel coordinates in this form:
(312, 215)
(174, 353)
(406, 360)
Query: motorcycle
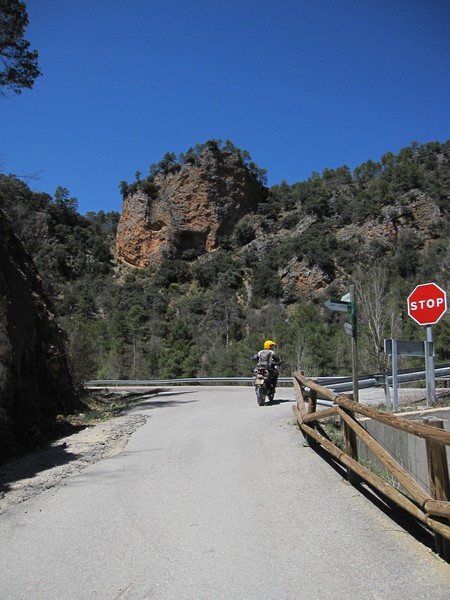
(263, 386)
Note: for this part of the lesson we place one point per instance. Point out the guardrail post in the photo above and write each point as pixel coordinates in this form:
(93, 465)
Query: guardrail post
(351, 445)
(439, 480)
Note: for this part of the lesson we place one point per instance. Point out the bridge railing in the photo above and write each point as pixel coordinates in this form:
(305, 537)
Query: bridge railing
(432, 509)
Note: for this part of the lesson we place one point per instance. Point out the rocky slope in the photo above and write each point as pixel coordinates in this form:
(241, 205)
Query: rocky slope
(309, 235)
(35, 380)
(189, 211)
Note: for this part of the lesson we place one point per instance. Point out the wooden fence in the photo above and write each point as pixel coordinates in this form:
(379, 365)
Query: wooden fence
(432, 509)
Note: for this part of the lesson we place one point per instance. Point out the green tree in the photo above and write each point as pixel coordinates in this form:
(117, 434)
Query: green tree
(63, 200)
(84, 349)
(136, 320)
(378, 315)
(265, 282)
(18, 64)
(180, 357)
(307, 342)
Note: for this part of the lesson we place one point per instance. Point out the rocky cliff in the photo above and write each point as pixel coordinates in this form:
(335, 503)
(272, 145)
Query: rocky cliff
(35, 381)
(189, 210)
(309, 234)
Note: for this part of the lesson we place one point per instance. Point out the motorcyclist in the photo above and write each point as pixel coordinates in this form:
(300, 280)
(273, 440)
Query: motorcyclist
(267, 359)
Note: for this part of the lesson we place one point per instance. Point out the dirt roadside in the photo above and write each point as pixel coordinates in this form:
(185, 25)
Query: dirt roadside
(33, 473)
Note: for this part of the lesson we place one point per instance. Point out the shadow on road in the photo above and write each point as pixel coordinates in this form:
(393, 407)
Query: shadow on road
(28, 466)
(166, 393)
(159, 399)
(161, 403)
(279, 401)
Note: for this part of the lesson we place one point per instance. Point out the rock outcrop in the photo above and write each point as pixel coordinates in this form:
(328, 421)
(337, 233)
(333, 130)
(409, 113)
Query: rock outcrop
(412, 213)
(191, 210)
(35, 380)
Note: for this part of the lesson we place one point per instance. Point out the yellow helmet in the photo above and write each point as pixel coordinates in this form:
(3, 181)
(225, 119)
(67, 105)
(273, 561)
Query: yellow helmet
(268, 344)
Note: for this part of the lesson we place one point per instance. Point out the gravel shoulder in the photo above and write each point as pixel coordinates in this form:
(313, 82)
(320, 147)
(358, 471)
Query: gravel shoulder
(33, 473)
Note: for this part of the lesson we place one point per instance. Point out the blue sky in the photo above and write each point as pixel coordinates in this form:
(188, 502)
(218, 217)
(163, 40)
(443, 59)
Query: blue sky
(302, 85)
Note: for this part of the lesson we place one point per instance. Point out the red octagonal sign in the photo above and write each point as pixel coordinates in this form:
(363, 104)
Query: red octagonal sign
(427, 303)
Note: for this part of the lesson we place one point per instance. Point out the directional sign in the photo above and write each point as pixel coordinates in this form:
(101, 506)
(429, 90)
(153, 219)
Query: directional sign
(349, 329)
(407, 348)
(338, 306)
(427, 304)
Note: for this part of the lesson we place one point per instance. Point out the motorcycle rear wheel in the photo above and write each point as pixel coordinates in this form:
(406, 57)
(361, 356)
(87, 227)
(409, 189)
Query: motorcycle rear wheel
(260, 395)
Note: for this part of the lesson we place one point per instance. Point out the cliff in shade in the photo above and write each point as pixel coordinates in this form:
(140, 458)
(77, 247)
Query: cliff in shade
(35, 381)
(188, 210)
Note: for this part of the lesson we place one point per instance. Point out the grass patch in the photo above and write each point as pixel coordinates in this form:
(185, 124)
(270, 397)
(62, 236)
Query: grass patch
(335, 434)
(334, 431)
(104, 405)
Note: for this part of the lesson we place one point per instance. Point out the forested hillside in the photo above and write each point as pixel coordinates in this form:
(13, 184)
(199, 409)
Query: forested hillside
(383, 227)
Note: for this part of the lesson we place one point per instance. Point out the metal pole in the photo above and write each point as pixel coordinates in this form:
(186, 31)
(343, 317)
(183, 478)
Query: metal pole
(354, 344)
(429, 365)
(387, 393)
(394, 376)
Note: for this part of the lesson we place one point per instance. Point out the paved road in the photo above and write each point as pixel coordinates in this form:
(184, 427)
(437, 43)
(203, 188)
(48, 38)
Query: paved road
(214, 498)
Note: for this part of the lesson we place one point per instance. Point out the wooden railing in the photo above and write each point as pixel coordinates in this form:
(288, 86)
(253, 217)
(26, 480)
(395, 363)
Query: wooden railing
(432, 508)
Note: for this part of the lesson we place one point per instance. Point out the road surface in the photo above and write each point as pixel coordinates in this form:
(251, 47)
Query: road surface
(213, 498)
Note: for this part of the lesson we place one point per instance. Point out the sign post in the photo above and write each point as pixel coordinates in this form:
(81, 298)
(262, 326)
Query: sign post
(347, 304)
(396, 348)
(427, 304)
(354, 343)
(429, 366)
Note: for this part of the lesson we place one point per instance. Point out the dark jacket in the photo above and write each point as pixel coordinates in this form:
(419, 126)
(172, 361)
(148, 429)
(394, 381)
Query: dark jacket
(267, 359)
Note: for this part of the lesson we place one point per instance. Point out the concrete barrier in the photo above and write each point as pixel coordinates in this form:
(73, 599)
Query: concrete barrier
(408, 450)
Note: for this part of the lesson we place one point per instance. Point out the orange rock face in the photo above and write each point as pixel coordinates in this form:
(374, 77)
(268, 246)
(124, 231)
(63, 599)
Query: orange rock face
(191, 211)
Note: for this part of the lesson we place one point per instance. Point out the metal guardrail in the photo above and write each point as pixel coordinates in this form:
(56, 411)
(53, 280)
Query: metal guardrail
(183, 381)
(380, 380)
(336, 384)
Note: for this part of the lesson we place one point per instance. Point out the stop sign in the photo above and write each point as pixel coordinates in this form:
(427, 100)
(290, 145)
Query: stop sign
(427, 303)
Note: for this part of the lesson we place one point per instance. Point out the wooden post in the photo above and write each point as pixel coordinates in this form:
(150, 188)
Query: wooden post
(351, 446)
(312, 404)
(439, 480)
(312, 408)
(299, 387)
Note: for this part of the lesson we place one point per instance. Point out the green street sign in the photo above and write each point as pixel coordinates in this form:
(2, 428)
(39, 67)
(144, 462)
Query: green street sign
(338, 306)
